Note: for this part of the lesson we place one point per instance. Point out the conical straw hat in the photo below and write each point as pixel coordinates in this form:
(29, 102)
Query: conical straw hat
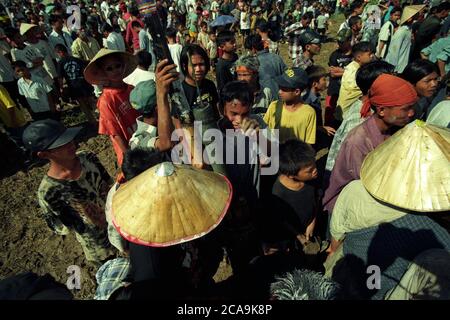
(94, 74)
(170, 204)
(411, 169)
(25, 27)
(410, 11)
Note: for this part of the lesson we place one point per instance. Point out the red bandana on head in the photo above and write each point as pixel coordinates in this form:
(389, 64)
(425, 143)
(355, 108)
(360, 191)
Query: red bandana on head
(389, 91)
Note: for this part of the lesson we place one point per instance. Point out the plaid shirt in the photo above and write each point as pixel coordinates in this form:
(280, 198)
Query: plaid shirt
(302, 62)
(293, 32)
(272, 46)
(110, 277)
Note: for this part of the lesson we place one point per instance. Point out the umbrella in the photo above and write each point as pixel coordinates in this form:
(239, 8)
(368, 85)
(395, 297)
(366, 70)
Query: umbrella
(222, 21)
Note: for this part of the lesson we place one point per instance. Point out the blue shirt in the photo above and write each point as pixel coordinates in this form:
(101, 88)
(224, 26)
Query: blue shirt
(271, 66)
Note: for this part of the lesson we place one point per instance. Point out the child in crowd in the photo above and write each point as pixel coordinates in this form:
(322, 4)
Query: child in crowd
(174, 47)
(71, 69)
(227, 42)
(292, 219)
(338, 60)
(290, 114)
(203, 37)
(37, 92)
(211, 48)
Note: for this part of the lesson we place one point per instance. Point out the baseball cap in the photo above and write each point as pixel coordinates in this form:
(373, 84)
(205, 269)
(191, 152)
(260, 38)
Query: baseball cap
(143, 97)
(293, 78)
(344, 35)
(309, 37)
(48, 134)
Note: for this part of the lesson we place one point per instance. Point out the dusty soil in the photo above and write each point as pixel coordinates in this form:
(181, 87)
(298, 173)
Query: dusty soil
(26, 242)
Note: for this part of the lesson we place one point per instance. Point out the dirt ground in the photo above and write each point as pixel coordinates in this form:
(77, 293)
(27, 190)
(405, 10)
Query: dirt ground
(26, 242)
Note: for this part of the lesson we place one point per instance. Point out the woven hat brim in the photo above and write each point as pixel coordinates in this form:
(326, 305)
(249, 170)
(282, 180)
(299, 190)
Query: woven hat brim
(25, 27)
(146, 217)
(411, 11)
(410, 170)
(94, 74)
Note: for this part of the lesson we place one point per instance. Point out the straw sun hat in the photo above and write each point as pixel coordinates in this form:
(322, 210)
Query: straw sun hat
(25, 27)
(170, 204)
(411, 169)
(94, 73)
(411, 11)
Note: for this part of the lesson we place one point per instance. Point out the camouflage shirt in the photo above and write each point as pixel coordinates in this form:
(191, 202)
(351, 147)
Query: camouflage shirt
(77, 205)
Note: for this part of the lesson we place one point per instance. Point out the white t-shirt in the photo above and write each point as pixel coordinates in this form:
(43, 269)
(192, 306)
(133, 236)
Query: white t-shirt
(139, 75)
(245, 21)
(175, 52)
(27, 55)
(105, 9)
(48, 54)
(214, 7)
(36, 93)
(386, 30)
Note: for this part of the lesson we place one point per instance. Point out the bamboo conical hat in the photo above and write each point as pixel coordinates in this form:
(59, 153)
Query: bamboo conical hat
(411, 11)
(94, 74)
(170, 204)
(411, 170)
(25, 27)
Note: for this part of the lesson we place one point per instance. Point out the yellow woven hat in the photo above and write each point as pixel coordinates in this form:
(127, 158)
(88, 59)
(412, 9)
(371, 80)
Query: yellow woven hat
(25, 27)
(411, 11)
(411, 170)
(94, 73)
(170, 204)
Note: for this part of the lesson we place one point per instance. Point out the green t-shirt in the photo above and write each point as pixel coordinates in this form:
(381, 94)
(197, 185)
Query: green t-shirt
(193, 19)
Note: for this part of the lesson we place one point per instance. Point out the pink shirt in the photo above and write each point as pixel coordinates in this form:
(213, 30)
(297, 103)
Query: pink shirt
(132, 36)
(359, 142)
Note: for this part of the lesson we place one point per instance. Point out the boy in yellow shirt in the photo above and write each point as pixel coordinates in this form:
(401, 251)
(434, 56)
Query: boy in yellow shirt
(11, 116)
(293, 118)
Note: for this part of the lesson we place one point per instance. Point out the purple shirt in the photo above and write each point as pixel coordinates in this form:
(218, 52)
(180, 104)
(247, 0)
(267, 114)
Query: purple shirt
(359, 142)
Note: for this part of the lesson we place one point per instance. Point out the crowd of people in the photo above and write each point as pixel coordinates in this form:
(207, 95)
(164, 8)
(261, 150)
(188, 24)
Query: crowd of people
(361, 147)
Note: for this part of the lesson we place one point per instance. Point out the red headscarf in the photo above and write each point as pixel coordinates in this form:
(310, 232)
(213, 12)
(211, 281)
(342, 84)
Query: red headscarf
(389, 91)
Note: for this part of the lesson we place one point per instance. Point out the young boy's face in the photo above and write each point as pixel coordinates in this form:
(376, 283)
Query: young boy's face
(289, 95)
(113, 68)
(22, 72)
(307, 173)
(365, 57)
(197, 67)
(229, 46)
(236, 112)
(314, 48)
(204, 28)
(66, 152)
(212, 37)
(322, 84)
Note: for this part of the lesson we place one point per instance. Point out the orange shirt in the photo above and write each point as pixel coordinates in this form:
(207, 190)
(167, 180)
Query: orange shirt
(117, 116)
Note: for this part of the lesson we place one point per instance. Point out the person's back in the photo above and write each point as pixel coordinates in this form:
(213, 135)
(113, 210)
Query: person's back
(115, 41)
(175, 52)
(399, 50)
(427, 32)
(271, 65)
(412, 235)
